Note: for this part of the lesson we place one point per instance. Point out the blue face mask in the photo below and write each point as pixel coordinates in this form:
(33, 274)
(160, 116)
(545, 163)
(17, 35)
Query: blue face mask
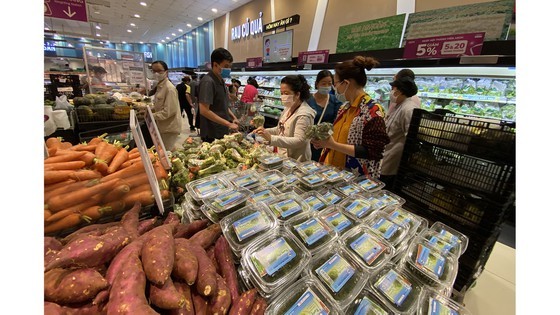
(340, 96)
(226, 73)
(324, 90)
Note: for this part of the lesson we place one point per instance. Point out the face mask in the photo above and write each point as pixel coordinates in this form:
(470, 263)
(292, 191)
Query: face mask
(287, 100)
(159, 76)
(225, 73)
(324, 90)
(393, 97)
(340, 96)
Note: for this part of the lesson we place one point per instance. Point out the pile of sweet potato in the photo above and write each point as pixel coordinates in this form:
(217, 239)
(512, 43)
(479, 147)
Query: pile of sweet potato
(145, 267)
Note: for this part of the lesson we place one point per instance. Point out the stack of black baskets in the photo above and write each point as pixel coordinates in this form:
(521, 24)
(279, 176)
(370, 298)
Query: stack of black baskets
(460, 170)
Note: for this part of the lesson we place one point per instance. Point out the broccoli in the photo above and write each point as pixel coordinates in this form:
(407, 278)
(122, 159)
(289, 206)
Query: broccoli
(321, 131)
(179, 154)
(191, 142)
(258, 121)
(217, 147)
(201, 163)
(177, 165)
(237, 137)
(182, 178)
(234, 155)
(215, 154)
(212, 169)
(231, 164)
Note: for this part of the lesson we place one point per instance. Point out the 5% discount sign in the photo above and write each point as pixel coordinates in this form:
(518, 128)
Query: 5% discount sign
(444, 46)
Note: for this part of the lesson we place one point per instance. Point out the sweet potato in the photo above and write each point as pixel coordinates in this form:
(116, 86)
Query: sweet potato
(116, 265)
(51, 244)
(54, 309)
(259, 306)
(200, 304)
(158, 255)
(185, 266)
(171, 217)
(166, 296)
(224, 257)
(188, 230)
(127, 294)
(76, 286)
(101, 297)
(244, 304)
(219, 304)
(210, 253)
(185, 290)
(207, 237)
(206, 276)
(91, 251)
(94, 229)
(146, 225)
(129, 221)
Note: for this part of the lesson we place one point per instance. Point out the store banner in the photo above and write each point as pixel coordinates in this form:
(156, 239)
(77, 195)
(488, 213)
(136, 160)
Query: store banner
(148, 167)
(66, 9)
(444, 46)
(313, 57)
(492, 18)
(254, 62)
(377, 34)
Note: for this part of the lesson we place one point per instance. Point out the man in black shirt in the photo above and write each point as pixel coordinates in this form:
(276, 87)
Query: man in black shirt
(183, 92)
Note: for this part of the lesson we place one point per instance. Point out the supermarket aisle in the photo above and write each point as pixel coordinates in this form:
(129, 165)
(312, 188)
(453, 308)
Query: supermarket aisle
(494, 292)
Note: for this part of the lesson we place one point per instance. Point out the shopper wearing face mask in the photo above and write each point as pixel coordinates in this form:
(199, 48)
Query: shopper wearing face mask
(359, 137)
(398, 122)
(216, 118)
(324, 103)
(289, 136)
(167, 112)
(400, 74)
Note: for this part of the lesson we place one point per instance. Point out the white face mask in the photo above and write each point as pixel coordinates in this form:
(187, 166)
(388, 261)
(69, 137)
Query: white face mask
(393, 97)
(159, 76)
(287, 100)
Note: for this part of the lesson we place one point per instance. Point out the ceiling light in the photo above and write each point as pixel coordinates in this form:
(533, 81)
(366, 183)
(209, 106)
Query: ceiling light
(46, 28)
(101, 43)
(167, 37)
(199, 18)
(98, 27)
(141, 42)
(189, 25)
(97, 12)
(136, 15)
(129, 31)
(180, 30)
(143, 4)
(163, 41)
(98, 35)
(124, 42)
(173, 34)
(214, 10)
(132, 24)
(83, 39)
(70, 45)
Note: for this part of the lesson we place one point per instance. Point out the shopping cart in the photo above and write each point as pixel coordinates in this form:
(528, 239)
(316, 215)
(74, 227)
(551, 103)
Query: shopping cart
(245, 113)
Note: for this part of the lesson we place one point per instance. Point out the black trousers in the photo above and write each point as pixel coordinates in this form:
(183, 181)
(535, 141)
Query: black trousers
(190, 116)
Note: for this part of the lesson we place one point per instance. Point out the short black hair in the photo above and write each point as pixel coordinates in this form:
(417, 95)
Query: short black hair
(297, 83)
(253, 82)
(405, 73)
(406, 85)
(162, 63)
(186, 79)
(323, 74)
(236, 81)
(219, 55)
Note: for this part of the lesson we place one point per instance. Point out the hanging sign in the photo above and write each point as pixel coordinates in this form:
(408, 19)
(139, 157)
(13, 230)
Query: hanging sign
(156, 139)
(285, 22)
(254, 62)
(139, 141)
(66, 9)
(313, 57)
(250, 27)
(444, 46)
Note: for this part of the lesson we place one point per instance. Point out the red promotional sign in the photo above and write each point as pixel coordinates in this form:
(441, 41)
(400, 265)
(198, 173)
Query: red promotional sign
(254, 62)
(66, 9)
(317, 56)
(444, 46)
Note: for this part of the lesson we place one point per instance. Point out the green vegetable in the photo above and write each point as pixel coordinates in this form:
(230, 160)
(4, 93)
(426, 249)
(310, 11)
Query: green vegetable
(321, 131)
(201, 163)
(215, 168)
(258, 121)
(232, 154)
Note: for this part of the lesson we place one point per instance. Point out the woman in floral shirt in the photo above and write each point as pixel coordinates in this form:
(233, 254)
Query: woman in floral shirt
(360, 135)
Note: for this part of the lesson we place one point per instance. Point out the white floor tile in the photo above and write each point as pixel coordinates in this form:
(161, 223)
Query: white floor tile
(491, 295)
(502, 262)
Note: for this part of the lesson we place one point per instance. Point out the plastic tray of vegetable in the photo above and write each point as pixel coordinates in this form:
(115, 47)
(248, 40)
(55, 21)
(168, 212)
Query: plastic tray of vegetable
(310, 182)
(367, 303)
(228, 201)
(389, 230)
(309, 167)
(207, 187)
(383, 198)
(248, 179)
(435, 241)
(367, 248)
(287, 205)
(273, 178)
(349, 189)
(271, 161)
(369, 184)
(315, 201)
(357, 207)
(264, 194)
(335, 216)
(451, 235)
(313, 232)
(332, 196)
(435, 303)
(402, 217)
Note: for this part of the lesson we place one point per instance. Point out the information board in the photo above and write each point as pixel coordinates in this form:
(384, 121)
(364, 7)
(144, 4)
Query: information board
(156, 139)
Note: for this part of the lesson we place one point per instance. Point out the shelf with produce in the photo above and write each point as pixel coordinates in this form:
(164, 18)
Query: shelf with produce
(269, 115)
(275, 106)
(467, 97)
(270, 96)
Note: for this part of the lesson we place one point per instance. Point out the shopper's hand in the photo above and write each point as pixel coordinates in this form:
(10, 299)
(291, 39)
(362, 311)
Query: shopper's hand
(233, 126)
(263, 133)
(320, 144)
(236, 121)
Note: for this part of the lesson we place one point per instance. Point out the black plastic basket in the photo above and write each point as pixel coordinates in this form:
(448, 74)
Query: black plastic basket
(495, 179)
(484, 138)
(121, 133)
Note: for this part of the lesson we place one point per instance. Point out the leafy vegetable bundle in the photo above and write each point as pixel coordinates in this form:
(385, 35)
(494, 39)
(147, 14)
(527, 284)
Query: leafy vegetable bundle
(258, 121)
(321, 131)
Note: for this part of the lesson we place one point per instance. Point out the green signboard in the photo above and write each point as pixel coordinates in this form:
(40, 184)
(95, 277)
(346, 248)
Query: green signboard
(492, 18)
(377, 34)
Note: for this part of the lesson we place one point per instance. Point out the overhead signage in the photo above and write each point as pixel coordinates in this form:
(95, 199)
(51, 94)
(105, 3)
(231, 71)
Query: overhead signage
(313, 57)
(66, 9)
(444, 46)
(384, 33)
(49, 48)
(285, 22)
(249, 28)
(254, 62)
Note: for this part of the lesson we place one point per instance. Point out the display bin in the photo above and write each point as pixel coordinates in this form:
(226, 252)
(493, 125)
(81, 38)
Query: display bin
(484, 138)
(121, 133)
(450, 205)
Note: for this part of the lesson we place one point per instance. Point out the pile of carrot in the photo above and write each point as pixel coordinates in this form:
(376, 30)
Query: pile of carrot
(87, 181)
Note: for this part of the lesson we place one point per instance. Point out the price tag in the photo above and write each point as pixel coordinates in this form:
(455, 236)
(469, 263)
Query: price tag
(444, 46)
(313, 57)
(141, 144)
(65, 89)
(156, 139)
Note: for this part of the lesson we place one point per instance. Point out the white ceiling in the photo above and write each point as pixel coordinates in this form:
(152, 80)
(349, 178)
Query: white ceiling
(158, 20)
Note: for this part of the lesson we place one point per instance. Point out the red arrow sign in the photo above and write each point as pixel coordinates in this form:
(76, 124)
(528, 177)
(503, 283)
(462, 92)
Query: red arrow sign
(66, 9)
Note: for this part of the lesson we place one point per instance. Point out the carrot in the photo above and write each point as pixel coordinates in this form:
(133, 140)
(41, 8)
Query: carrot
(47, 214)
(139, 159)
(64, 157)
(56, 176)
(97, 140)
(134, 150)
(84, 147)
(132, 156)
(144, 197)
(140, 188)
(116, 193)
(113, 207)
(93, 213)
(75, 197)
(107, 152)
(65, 223)
(59, 215)
(66, 145)
(118, 160)
(137, 180)
(73, 165)
(85, 175)
(101, 167)
(54, 142)
(70, 186)
(58, 185)
(124, 165)
(82, 205)
(161, 173)
(88, 157)
(125, 173)
(52, 151)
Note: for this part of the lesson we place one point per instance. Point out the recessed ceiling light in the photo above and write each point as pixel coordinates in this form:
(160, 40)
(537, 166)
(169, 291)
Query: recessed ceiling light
(70, 45)
(46, 28)
(132, 24)
(97, 34)
(82, 38)
(199, 18)
(129, 31)
(141, 42)
(124, 42)
(163, 41)
(143, 4)
(136, 15)
(214, 10)
(101, 43)
(167, 37)
(98, 27)
(189, 25)
(180, 30)
(173, 34)
(97, 12)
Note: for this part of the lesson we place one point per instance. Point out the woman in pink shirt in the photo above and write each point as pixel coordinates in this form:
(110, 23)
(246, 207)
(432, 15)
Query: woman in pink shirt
(250, 91)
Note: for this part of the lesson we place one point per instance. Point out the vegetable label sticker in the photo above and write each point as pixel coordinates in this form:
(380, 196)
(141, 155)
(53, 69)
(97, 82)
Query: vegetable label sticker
(249, 225)
(368, 307)
(332, 198)
(308, 303)
(289, 164)
(335, 272)
(400, 218)
(311, 231)
(347, 175)
(209, 187)
(332, 175)
(349, 190)
(273, 257)
(394, 287)
(314, 203)
(272, 179)
(310, 167)
(367, 248)
(224, 200)
(290, 179)
(245, 180)
(263, 195)
(449, 237)
(385, 228)
(438, 308)
(286, 208)
(367, 184)
(358, 208)
(440, 244)
(272, 160)
(339, 221)
(426, 260)
(313, 179)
